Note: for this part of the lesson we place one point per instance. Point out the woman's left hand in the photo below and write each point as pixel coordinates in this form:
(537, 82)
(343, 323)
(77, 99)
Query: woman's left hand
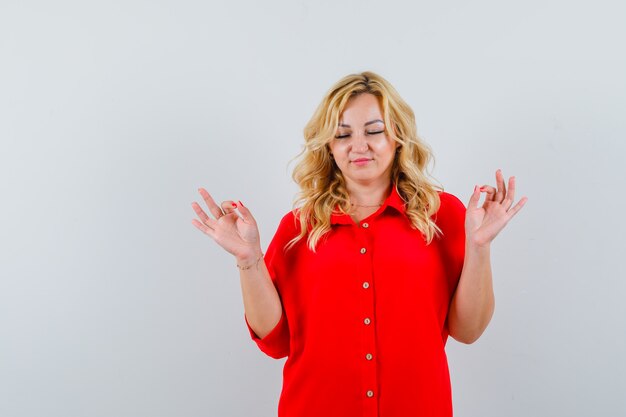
(482, 224)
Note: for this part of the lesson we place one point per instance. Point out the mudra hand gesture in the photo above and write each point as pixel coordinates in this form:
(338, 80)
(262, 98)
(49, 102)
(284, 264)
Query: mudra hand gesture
(482, 224)
(238, 235)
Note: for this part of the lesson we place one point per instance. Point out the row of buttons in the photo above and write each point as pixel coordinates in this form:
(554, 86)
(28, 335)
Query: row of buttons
(367, 320)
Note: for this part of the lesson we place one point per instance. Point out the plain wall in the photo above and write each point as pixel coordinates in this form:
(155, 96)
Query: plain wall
(113, 113)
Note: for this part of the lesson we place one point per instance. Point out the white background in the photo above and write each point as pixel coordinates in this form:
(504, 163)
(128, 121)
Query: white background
(113, 113)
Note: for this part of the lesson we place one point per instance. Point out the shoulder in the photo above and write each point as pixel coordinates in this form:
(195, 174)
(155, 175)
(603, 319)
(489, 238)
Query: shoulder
(451, 210)
(289, 226)
(290, 220)
(450, 202)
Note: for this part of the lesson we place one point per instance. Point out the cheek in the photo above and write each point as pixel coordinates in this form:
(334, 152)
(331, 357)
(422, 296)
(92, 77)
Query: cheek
(385, 147)
(338, 147)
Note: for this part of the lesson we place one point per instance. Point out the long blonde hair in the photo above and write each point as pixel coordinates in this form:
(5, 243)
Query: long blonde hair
(323, 187)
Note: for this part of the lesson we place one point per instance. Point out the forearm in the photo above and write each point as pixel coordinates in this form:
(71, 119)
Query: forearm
(473, 302)
(261, 302)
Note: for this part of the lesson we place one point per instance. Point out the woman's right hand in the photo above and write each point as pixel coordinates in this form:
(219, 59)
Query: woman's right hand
(237, 235)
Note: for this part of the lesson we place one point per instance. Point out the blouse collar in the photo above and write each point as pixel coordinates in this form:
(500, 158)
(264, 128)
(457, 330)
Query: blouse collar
(393, 200)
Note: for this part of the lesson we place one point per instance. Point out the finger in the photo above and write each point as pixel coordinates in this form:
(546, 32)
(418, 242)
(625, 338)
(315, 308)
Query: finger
(510, 197)
(203, 216)
(245, 214)
(501, 193)
(203, 228)
(229, 206)
(513, 211)
(490, 191)
(213, 207)
(475, 198)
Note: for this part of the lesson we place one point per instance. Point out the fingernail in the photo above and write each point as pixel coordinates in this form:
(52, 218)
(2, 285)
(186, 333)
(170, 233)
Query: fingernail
(234, 204)
(482, 188)
(241, 204)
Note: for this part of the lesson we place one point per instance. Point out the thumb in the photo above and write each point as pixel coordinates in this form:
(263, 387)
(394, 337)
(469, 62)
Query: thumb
(245, 213)
(473, 201)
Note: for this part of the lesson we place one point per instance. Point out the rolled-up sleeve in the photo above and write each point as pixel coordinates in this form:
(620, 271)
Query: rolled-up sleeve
(276, 343)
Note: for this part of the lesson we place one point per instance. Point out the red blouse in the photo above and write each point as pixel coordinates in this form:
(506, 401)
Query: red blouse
(364, 318)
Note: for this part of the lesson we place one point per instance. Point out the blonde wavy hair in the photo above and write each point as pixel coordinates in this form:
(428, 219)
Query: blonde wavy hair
(322, 185)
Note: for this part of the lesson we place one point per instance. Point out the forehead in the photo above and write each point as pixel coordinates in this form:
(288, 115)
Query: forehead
(363, 107)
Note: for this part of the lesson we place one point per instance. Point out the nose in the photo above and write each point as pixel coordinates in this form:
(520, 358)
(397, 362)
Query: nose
(359, 143)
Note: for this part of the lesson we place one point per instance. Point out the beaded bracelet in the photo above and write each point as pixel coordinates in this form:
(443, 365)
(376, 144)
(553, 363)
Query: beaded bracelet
(243, 268)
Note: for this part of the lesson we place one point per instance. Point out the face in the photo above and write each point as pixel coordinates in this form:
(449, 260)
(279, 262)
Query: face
(361, 148)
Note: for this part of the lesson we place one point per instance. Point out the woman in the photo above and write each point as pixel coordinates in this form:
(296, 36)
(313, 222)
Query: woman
(366, 278)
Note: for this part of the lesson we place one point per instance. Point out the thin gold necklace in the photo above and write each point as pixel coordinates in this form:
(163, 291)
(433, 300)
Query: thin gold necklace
(359, 205)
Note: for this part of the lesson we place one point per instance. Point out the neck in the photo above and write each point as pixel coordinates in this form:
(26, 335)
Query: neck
(371, 194)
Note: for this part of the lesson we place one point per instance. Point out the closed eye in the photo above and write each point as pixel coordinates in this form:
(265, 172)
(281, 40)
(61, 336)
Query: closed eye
(369, 133)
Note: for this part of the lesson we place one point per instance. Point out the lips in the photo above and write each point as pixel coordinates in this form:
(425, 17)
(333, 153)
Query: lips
(361, 160)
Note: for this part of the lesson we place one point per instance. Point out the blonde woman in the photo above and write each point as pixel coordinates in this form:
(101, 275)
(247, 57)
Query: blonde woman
(373, 269)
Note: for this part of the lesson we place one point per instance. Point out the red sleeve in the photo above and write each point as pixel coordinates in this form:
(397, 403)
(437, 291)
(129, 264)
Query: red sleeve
(276, 343)
(451, 220)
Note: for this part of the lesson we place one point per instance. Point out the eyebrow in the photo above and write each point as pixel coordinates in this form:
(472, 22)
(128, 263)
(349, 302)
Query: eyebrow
(366, 124)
